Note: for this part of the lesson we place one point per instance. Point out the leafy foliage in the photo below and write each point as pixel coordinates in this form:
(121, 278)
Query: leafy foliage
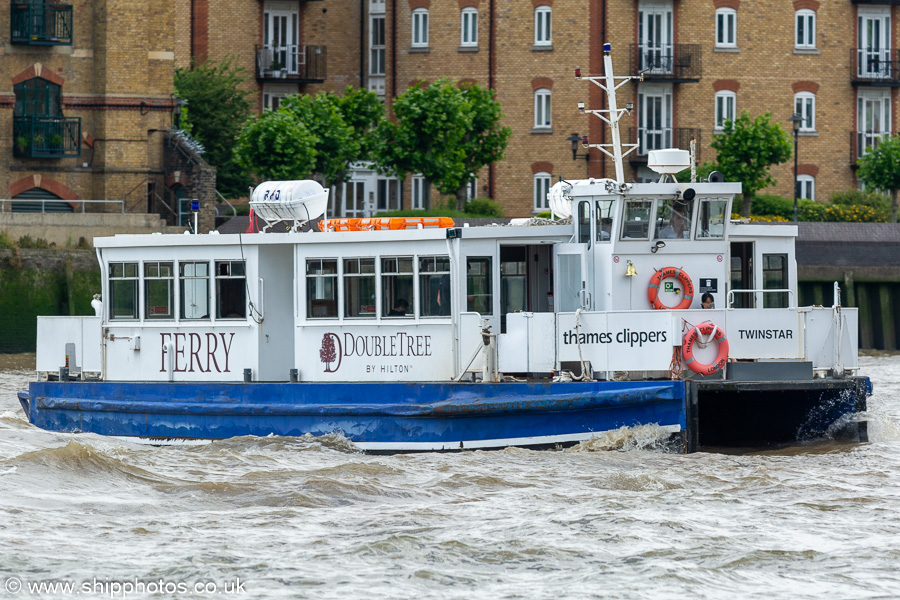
(880, 168)
(363, 111)
(747, 148)
(772, 204)
(217, 107)
(484, 207)
(335, 142)
(277, 145)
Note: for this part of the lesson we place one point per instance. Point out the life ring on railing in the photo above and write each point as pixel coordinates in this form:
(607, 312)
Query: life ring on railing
(687, 348)
(683, 277)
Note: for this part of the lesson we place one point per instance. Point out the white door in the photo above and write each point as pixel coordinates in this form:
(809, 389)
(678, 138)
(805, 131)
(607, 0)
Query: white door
(655, 38)
(281, 39)
(874, 53)
(654, 118)
(571, 290)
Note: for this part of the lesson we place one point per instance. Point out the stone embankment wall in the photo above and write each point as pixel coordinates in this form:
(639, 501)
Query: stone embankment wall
(42, 282)
(67, 229)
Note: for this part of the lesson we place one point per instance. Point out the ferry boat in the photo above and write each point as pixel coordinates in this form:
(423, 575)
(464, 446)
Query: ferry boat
(640, 303)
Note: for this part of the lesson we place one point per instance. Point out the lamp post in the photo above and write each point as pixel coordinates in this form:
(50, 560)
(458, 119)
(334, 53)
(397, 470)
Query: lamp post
(796, 120)
(576, 139)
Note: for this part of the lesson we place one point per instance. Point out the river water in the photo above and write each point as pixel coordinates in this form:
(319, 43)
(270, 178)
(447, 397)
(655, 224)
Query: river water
(620, 517)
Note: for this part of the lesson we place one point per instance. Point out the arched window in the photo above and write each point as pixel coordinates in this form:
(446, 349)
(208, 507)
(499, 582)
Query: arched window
(805, 106)
(468, 27)
(726, 28)
(541, 189)
(805, 25)
(420, 27)
(543, 27)
(725, 103)
(542, 108)
(37, 97)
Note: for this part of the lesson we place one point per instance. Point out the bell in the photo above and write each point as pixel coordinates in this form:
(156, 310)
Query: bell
(630, 271)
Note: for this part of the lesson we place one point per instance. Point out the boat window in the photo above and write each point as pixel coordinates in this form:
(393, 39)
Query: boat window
(434, 286)
(673, 219)
(123, 290)
(231, 290)
(359, 288)
(479, 296)
(321, 288)
(775, 277)
(636, 225)
(712, 218)
(159, 290)
(604, 219)
(397, 286)
(584, 223)
(194, 290)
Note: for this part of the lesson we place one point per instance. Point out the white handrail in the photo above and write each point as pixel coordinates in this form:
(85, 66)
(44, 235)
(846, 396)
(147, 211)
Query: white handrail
(790, 293)
(43, 202)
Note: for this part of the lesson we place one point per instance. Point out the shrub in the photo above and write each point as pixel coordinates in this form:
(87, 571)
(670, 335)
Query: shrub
(484, 207)
(26, 241)
(6, 242)
(771, 204)
(810, 210)
(881, 203)
(858, 213)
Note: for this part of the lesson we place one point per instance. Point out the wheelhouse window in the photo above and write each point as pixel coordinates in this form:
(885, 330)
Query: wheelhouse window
(712, 218)
(584, 223)
(673, 219)
(805, 21)
(194, 282)
(159, 290)
(359, 288)
(775, 278)
(397, 286)
(231, 289)
(479, 295)
(434, 286)
(636, 225)
(420, 28)
(541, 189)
(543, 29)
(726, 28)
(123, 291)
(321, 288)
(469, 27)
(604, 219)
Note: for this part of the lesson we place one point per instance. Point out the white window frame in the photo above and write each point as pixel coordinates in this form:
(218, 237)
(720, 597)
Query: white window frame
(806, 183)
(541, 188)
(468, 27)
(472, 189)
(543, 108)
(543, 26)
(419, 193)
(723, 99)
(377, 54)
(274, 93)
(420, 28)
(805, 106)
(805, 29)
(726, 28)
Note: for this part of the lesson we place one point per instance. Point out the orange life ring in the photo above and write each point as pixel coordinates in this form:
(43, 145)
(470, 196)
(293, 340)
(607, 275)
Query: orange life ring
(684, 278)
(687, 348)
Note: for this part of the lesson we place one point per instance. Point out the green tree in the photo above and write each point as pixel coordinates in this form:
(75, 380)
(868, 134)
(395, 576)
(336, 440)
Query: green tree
(277, 145)
(444, 132)
(363, 111)
(217, 107)
(880, 168)
(745, 151)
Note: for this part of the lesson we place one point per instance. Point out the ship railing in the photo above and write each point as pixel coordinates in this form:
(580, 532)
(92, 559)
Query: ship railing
(790, 293)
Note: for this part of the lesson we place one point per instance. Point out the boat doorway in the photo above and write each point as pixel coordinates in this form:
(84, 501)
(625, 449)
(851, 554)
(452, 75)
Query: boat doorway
(742, 274)
(526, 280)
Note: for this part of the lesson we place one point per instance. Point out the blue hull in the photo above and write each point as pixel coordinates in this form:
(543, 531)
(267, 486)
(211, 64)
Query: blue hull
(376, 416)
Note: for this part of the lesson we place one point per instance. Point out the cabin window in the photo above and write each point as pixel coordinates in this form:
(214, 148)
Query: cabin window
(712, 219)
(775, 278)
(584, 223)
(479, 296)
(123, 290)
(159, 290)
(231, 289)
(397, 286)
(194, 290)
(637, 220)
(321, 288)
(359, 288)
(673, 219)
(604, 219)
(434, 286)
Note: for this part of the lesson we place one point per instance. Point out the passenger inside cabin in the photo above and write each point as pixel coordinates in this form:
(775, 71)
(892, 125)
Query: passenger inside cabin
(605, 227)
(706, 301)
(679, 226)
(400, 308)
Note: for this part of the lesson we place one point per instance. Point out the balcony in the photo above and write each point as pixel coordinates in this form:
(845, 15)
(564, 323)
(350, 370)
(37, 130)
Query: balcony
(676, 63)
(659, 139)
(46, 137)
(862, 142)
(875, 67)
(292, 63)
(41, 24)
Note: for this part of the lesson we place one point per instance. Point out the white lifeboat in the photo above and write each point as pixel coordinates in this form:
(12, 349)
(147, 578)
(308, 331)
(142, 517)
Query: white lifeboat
(298, 201)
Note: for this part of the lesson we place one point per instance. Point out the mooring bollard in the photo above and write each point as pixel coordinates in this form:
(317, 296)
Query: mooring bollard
(248, 375)
(63, 373)
(295, 375)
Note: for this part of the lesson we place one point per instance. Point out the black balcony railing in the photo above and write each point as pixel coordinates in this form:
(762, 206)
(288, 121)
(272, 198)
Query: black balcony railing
(46, 137)
(667, 62)
(41, 24)
(649, 139)
(291, 62)
(862, 142)
(875, 67)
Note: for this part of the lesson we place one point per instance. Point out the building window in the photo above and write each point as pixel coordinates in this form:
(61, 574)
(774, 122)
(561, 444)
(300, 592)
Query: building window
(775, 278)
(231, 289)
(726, 28)
(123, 291)
(541, 189)
(321, 288)
(397, 286)
(159, 290)
(805, 37)
(805, 106)
(376, 46)
(806, 187)
(359, 288)
(468, 27)
(420, 28)
(472, 189)
(542, 108)
(725, 102)
(421, 192)
(388, 195)
(194, 282)
(873, 113)
(543, 31)
(434, 286)
(478, 285)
